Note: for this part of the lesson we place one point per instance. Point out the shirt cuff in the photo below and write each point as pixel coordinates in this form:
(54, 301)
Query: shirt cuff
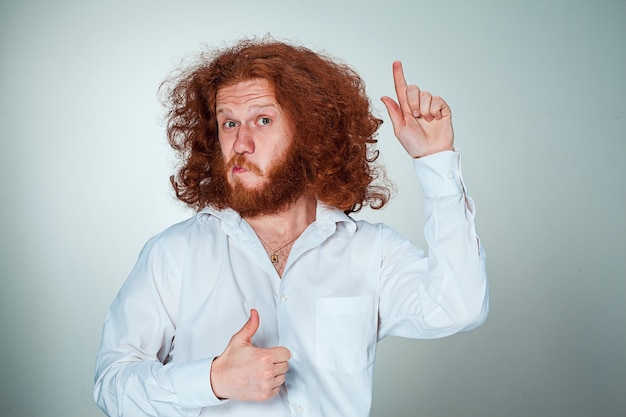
(440, 174)
(192, 382)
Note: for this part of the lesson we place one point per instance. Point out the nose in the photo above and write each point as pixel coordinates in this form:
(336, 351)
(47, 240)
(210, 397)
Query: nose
(244, 142)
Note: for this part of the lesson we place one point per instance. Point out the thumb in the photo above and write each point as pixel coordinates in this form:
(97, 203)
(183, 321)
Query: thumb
(249, 329)
(394, 111)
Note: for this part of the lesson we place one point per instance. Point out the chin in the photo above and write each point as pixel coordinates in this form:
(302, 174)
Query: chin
(244, 186)
(248, 180)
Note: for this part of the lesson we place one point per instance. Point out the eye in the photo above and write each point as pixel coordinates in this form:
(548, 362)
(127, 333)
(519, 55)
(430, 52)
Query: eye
(264, 121)
(229, 124)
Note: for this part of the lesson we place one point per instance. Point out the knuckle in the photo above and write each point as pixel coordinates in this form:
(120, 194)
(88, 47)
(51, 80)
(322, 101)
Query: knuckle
(265, 358)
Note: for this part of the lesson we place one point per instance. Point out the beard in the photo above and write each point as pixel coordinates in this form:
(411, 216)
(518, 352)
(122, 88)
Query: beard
(284, 182)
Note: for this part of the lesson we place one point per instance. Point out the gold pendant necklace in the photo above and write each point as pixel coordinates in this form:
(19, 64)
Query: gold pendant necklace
(274, 256)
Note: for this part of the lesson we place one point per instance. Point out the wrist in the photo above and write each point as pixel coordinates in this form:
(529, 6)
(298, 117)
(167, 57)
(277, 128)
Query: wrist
(214, 379)
(434, 151)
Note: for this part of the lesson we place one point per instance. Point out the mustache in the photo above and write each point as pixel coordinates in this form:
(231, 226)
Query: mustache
(241, 162)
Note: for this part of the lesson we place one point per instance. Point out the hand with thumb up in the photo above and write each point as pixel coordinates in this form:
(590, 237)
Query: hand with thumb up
(245, 372)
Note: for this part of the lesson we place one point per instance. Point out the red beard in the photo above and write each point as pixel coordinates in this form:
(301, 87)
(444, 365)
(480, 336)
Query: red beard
(285, 182)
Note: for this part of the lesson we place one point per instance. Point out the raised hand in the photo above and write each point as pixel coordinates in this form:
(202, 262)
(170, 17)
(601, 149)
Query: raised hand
(421, 122)
(245, 372)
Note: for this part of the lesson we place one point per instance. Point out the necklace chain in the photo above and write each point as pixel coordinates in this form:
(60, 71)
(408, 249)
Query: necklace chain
(274, 255)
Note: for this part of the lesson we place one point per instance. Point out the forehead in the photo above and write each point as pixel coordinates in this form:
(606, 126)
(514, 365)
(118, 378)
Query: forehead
(244, 92)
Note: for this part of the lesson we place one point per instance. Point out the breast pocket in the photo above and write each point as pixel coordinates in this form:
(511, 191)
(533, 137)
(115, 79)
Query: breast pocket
(346, 333)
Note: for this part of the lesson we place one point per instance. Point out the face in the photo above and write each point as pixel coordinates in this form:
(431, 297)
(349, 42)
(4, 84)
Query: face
(260, 162)
(253, 132)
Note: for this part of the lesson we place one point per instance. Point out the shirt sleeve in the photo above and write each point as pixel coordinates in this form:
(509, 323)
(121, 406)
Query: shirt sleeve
(133, 374)
(446, 290)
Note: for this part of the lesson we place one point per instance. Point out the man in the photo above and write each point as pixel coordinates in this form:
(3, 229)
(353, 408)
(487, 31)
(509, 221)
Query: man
(276, 152)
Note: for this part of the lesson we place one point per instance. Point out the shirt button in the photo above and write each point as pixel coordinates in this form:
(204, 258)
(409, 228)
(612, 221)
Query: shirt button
(450, 176)
(299, 409)
(284, 298)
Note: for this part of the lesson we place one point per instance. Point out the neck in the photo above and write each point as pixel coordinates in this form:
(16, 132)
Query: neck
(285, 224)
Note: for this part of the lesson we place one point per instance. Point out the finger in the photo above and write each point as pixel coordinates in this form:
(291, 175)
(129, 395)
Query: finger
(281, 368)
(279, 380)
(413, 98)
(395, 114)
(275, 390)
(439, 108)
(280, 354)
(249, 329)
(399, 83)
(425, 106)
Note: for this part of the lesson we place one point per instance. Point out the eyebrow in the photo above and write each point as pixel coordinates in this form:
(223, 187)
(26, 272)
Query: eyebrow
(224, 109)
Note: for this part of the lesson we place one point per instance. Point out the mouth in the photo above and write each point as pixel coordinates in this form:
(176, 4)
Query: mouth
(238, 170)
(239, 165)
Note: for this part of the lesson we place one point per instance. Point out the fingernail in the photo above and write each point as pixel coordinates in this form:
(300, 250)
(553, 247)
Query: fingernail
(416, 113)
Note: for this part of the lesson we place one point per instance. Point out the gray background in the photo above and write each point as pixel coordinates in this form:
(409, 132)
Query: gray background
(538, 95)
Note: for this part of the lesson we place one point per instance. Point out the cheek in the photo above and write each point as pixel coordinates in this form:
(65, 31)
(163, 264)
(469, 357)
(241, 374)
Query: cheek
(281, 149)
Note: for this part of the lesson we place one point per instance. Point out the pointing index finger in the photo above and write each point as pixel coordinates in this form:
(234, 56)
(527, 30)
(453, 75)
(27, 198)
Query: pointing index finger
(400, 85)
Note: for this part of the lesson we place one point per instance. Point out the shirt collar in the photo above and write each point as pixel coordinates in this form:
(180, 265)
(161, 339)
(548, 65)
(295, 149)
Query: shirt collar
(327, 219)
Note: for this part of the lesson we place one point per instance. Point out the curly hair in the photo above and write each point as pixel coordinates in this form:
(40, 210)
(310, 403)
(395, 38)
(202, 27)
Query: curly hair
(324, 100)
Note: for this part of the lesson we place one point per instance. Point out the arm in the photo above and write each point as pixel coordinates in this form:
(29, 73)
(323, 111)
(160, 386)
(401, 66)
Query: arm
(447, 291)
(134, 374)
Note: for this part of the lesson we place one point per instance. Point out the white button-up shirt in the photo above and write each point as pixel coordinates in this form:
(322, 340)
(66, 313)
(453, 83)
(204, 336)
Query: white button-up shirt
(346, 285)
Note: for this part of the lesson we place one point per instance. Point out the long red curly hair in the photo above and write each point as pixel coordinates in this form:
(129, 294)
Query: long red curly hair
(325, 101)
